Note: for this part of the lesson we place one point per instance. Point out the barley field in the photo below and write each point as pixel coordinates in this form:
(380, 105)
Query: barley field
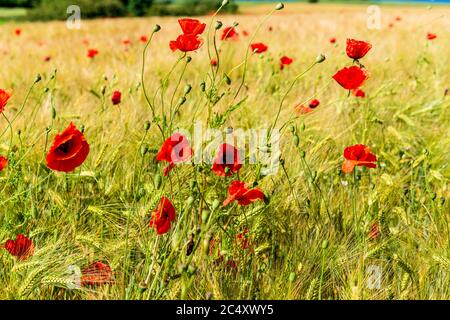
(115, 226)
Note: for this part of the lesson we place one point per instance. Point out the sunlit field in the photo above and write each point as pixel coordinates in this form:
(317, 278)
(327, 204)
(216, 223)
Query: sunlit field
(106, 217)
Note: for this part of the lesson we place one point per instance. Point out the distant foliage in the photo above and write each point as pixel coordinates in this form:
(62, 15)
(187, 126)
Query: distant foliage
(188, 7)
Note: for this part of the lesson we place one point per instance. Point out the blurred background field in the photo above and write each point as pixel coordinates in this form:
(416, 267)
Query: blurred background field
(101, 212)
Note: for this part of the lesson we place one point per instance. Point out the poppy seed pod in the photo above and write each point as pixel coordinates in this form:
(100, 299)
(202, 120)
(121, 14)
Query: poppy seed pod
(321, 58)
(187, 89)
(219, 25)
(147, 125)
(279, 6)
(156, 28)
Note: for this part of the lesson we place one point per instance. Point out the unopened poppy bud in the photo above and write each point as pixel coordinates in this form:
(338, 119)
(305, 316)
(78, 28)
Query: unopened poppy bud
(188, 59)
(302, 154)
(235, 24)
(53, 113)
(157, 181)
(279, 6)
(227, 79)
(205, 216)
(187, 89)
(296, 140)
(282, 162)
(292, 277)
(147, 125)
(144, 149)
(227, 170)
(181, 101)
(303, 127)
(219, 25)
(156, 28)
(38, 78)
(225, 3)
(215, 204)
(203, 86)
(82, 127)
(47, 89)
(292, 129)
(321, 58)
(190, 201)
(325, 244)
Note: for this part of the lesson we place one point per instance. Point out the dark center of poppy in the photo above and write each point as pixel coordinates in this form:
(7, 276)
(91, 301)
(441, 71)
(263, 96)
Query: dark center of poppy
(64, 147)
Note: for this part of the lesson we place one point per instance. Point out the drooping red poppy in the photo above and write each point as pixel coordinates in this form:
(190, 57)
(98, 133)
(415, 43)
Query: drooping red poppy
(357, 49)
(175, 149)
(18, 32)
(359, 93)
(4, 97)
(162, 216)
(310, 108)
(259, 47)
(351, 78)
(333, 40)
(143, 39)
(358, 155)
(69, 150)
(22, 247)
(213, 62)
(285, 61)
(228, 161)
(3, 163)
(97, 273)
(191, 26)
(186, 43)
(239, 191)
(116, 97)
(229, 33)
(92, 53)
(431, 36)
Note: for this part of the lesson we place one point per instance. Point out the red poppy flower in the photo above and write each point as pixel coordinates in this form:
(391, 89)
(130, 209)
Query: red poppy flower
(3, 163)
(285, 61)
(431, 36)
(213, 62)
(239, 191)
(351, 78)
(391, 25)
(245, 33)
(310, 108)
(333, 40)
(398, 18)
(18, 32)
(163, 216)
(4, 97)
(229, 33)
(358, 155)
(116, 97)
(22, 247)
(143, 39)
(186, 43)
(126, 42)
(92, 53)
(47, 58)
(259, 47)
(174, 150)
(227, 162)
(96, 273)
(69, 150)
(85, 42)
(192, 26)
(357, 49)
(359, 93)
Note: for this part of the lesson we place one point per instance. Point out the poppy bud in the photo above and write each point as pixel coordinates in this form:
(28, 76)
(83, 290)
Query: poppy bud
(282, 162)
(182, 101)
(279, 6)
(205, 216)
(292, 129)
(302, 127)
(188, 59)
(218, 25)
(325, 244)
(144, 149)
(203, 86)
(227, 170)
(187, 89)
(225, 3)
(227, 79)
(292, 277)
(53, 113)
(215, 204)
(157, 181)
(46, 90)
(156, 28)
(296, 140)
(321, 58)
(302, 154)
(235, 24)
(147, 125)
(38, 78)
(82, 127)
